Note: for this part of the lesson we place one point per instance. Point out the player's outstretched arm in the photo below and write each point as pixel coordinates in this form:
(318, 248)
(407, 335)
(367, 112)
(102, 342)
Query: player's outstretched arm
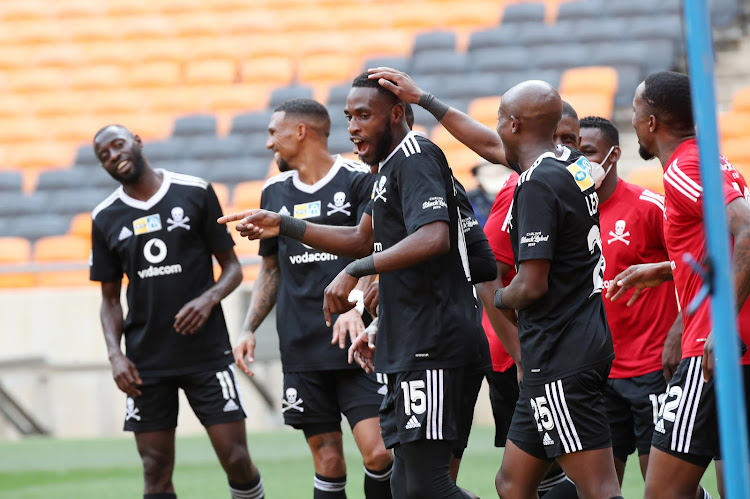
(640, 277)
(194, 313)
(427, 242)
(503, 321)
(124, 371)
(529, 285)
(481, 139)
(262, 300)
(348, 241)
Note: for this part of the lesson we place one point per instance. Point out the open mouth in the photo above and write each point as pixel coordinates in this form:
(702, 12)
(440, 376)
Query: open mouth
(124, 166)
(360, 146)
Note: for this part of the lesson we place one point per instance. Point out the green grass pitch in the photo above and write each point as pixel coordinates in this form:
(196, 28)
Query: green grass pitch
(110, 468)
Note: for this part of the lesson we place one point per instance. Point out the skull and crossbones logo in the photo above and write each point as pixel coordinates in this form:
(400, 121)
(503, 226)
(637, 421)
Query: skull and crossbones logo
(291, 401)
(131, 411)
(619, 234)
(379, 190)
(338, 205)
(178, 219)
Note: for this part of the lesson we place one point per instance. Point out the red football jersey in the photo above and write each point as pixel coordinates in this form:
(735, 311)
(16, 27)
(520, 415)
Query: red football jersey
(632, 230)
(684, 233)
(498, 234)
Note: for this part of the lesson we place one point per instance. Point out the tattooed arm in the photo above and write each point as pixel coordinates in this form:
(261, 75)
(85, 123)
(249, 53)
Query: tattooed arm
(262, 300)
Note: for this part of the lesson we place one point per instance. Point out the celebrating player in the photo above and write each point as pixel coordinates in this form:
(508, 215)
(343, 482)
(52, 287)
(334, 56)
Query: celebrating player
(427, 307)
(686, 432)
(159, 228)
(319, 384)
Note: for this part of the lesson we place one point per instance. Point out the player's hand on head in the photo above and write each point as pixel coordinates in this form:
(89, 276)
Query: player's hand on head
(371, 298)
(348, 324)
(336, 295)
(397, 82)
(245, 348)
(193, 315)
(125, 375)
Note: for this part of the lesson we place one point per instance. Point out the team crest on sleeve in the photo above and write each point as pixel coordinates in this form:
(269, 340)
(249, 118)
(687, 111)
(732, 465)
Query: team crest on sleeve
(339, 205)
(378, 190)
(178, 219)
(149, 223)
(307, 210)
(581, 171)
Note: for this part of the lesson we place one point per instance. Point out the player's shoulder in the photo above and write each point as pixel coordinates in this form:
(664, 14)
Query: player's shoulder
(187, 180)
(558, 170)
(107, 203)
(352, 166)
(641, 198)
(417, 147)
(279, 179)
(682, 177)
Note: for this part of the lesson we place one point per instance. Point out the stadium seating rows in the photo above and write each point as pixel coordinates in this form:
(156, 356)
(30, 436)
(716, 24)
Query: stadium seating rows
(66, 68)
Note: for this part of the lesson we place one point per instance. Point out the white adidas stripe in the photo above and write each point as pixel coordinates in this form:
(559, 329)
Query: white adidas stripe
(685, 178)
(181, 178)
(658, 201)
(553, 402)
(561, 415)
(680, 187)
(278, 178)
(108, 201)
(434, 390)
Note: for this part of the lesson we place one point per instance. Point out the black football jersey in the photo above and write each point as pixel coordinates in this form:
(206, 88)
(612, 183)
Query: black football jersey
(164, 245)
(555, 217)
(339, 198)
(428, 311)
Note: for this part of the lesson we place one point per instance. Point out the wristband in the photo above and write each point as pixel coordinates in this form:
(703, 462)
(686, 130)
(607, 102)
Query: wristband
(435, 106)
(291, 227)
(358, 296)
(362, 267)
(499, 299)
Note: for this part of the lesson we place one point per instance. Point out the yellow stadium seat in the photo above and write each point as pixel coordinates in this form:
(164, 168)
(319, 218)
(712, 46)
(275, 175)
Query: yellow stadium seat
(481, 14)
(600, 79)
(305, 20)
(212, 47)
(53, 155)
(154, 74)
(590, 104)
(80, 226)
(650, 177)
(100, 76)
(328, 68)
(36, 31)
(61, 249)
(736, 150)
(119, 8)
(107, 52)
(222, 193)
(274, 70)
(280, 44)
(56, 55)
(76, 9)
(734, 125)
(250, 272)
(383, 43)
(32, 80)
(15, 251)
(177, 100)
(103, 101)
(484, 110)
(410, 17)
(146, 27)
(91, 30)
(246, 195)
(21, 130)
(23, 11)
(200, 23)
(238, 98)
(167, 50)
(211, 71)
(741, 101)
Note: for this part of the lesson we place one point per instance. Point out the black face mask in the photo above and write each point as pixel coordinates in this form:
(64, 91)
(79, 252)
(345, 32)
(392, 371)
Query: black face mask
(516, 167)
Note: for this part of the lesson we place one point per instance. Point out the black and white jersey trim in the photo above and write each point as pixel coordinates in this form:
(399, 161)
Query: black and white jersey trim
(435, 395)
(278, 178)
(410, 146)
(561, 416)
(107, 202)
(682, 430)
(652, 197)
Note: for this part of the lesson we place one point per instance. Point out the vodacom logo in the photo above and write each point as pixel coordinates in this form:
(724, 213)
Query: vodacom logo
(155, 250)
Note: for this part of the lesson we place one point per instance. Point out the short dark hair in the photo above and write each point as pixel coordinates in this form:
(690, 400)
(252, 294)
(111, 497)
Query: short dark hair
(114, 125)
(569, 111)
(363, 81)
(605, 127)
(409, 114)
(308, 108)
(668, 95)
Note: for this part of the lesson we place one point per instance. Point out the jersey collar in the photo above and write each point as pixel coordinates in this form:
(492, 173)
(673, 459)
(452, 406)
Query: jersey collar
(396, 149)
(150, 202)
(310, 189)
(565, 154)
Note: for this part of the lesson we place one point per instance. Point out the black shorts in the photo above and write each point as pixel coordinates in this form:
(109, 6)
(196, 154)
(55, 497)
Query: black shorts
(503, 397)
(313, 401)
(562, 416)
(632, 408)
(426, 405)
(469, 395)
(213, 395)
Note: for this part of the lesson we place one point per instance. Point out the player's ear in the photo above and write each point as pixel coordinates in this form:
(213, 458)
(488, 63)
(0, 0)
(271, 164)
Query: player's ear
(615, 154)
(301, 131)
(652, 123)
(137, 140)
(397, 113)
(515, 124)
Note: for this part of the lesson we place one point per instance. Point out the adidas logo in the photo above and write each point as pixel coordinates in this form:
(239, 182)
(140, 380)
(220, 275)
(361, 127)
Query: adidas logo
(412, 423)
(230, 406)
(383, 390)
(660, 426)
(547, 440)
(283, 211)
(125, 233)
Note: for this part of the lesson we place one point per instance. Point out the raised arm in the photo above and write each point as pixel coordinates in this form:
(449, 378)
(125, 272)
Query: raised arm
(355, 242)
(262, 300)
(479, 138)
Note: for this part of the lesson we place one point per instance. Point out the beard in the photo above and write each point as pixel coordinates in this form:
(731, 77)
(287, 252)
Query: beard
(283, 165)
(643, 153)
(382, 147)
(138, 166)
